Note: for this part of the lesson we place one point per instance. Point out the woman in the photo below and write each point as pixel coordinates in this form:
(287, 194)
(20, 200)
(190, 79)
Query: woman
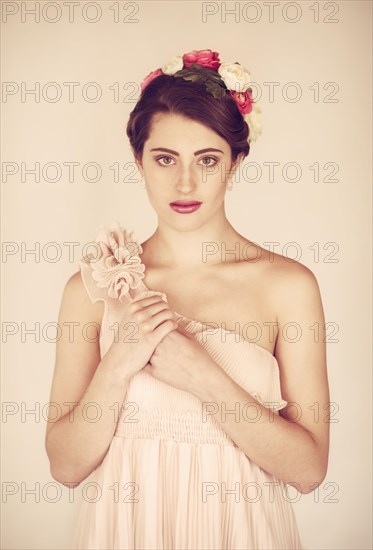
(192, 427)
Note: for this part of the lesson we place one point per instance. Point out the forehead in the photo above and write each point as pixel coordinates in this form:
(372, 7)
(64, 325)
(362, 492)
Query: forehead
(166, 129)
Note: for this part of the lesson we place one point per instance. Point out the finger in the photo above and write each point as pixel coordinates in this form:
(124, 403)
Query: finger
(149, 295)
(166, 327)
(158, 306)
(144, 302)
(183, 331)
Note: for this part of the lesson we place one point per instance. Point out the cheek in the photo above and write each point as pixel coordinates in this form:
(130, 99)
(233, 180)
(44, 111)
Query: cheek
(156, 189)
(218, 180)
(159, 180)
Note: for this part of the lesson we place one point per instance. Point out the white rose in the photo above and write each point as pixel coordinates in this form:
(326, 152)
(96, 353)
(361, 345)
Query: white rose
(235, 76)
(176, 64)
(253, 120)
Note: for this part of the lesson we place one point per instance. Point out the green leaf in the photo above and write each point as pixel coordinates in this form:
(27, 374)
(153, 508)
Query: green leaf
(214, 89)
(209, 77)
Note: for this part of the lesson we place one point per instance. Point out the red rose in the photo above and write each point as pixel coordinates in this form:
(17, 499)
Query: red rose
(243, 100)
(205, 58)
(151, 76)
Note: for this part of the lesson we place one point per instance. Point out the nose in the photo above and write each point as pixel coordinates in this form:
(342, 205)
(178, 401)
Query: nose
(186, 180)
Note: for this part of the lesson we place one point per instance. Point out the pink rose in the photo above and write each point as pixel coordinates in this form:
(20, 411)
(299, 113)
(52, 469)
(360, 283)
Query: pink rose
(243, 100)
(205, 58)
(118, 267)
(151, 76)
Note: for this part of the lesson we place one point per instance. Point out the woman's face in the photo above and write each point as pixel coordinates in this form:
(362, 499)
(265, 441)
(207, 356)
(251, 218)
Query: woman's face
(184, 160)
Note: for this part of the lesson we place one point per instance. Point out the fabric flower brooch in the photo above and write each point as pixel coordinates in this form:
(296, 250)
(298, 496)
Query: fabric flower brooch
(117, 266)
(205, 66)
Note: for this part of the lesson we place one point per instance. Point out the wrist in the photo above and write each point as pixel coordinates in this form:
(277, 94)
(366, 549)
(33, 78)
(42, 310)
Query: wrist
(118, 371)
(213, 383)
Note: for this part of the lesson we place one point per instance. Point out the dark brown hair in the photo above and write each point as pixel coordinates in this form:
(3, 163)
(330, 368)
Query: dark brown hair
(167, 94)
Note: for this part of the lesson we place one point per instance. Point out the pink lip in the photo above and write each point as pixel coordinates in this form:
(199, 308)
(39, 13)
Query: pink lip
(185, 207)
(185, 203)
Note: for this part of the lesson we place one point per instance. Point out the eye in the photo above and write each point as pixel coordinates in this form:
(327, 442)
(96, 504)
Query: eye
(211, 161)
(166, 161)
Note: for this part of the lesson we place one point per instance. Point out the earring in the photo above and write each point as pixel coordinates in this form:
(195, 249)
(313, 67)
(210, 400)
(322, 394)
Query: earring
(230, 185)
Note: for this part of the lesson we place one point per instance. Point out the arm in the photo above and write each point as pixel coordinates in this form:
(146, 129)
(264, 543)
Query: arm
(84, 384)
(75, 446)
(294, 446)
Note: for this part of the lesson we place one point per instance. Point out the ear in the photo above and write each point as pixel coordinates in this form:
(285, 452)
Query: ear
(237, 162)
(139, 165)
(234, 166)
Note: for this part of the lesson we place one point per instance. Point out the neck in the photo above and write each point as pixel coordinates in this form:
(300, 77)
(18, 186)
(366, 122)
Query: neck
(170, 247)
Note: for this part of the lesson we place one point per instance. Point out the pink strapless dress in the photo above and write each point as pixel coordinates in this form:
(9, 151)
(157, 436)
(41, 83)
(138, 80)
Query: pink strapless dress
(172, 478)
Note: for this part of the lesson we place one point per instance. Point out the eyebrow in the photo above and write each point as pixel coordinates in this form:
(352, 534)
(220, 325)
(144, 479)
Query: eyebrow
(165, 150)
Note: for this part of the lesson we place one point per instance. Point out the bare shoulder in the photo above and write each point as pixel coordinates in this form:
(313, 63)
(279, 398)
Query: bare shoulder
(287, 290)
(288, 280)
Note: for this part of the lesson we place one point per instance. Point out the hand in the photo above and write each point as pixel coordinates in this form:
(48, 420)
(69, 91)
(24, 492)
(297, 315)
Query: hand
(146, 321)
(181, 361)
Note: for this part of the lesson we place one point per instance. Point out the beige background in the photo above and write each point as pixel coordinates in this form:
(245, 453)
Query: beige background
(305, 212)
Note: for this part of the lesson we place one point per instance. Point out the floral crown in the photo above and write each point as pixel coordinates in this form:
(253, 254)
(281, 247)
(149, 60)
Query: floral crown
(205, 66)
